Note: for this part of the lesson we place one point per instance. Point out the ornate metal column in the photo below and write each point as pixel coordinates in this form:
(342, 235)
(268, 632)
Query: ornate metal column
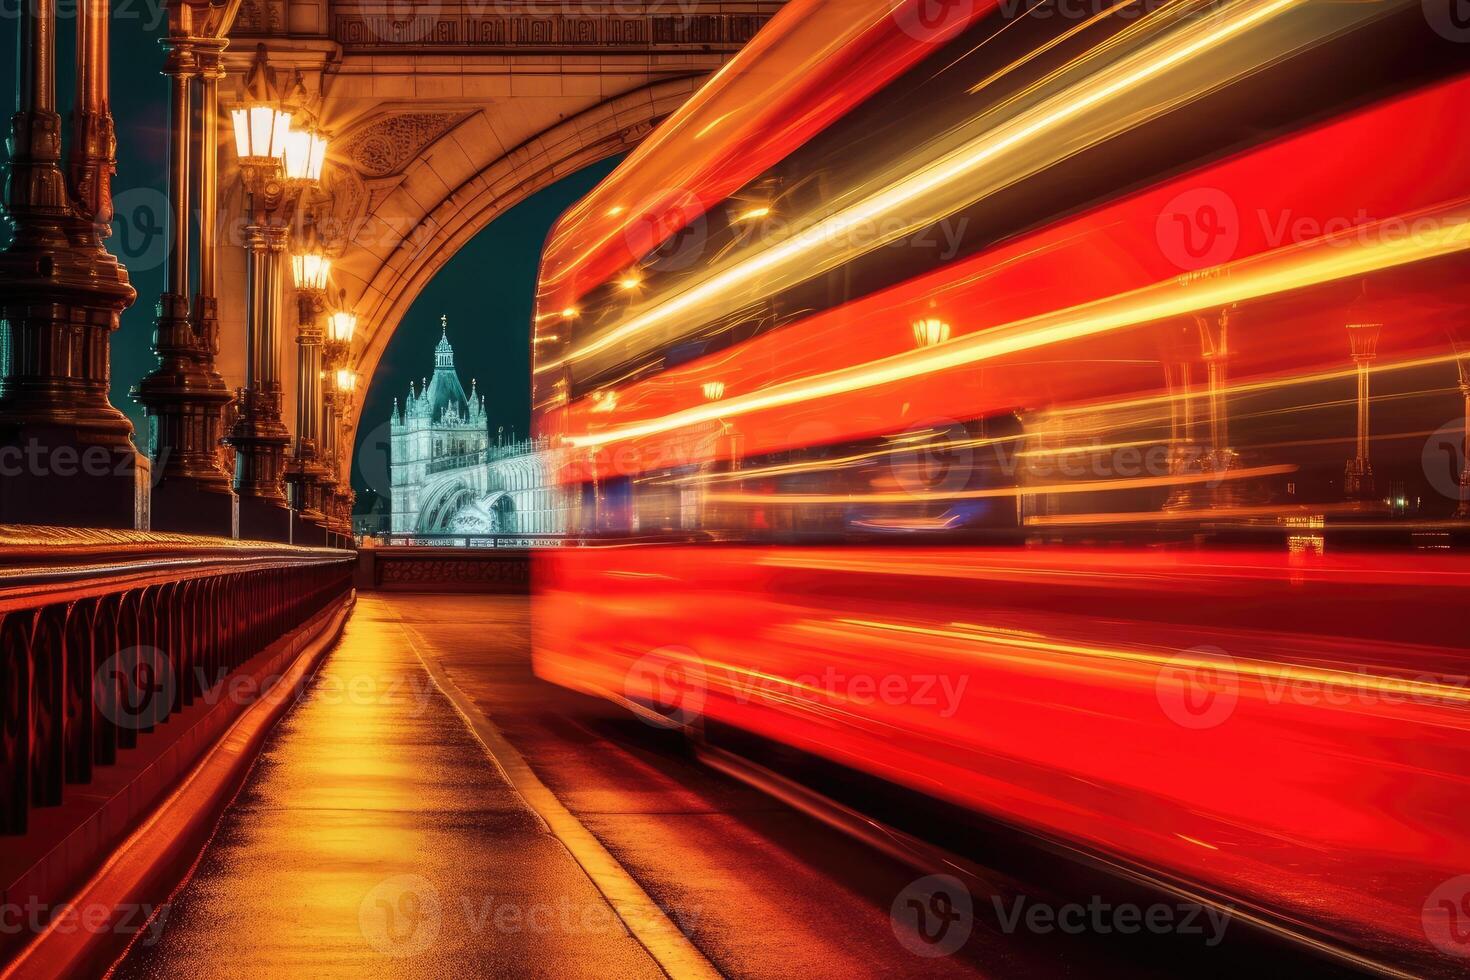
(331, 459)
(66, 454)
(1357, 483)
(336, 406)
(309, 270)
(185, 396)
(1462, 364)
(1214, 335)
(259, 436)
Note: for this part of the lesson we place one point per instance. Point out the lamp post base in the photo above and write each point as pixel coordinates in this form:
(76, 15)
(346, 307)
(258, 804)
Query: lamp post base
(265, 520)
(307, 532)
(49, 475)
(185, 506)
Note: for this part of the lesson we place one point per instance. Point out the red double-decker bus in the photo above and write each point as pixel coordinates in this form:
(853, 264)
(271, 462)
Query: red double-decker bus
(1056, 409)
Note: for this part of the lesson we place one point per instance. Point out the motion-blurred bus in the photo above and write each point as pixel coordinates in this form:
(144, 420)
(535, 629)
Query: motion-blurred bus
(1057, 409)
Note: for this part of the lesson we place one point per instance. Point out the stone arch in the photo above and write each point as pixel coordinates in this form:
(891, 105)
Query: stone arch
(443, 502)
(441, 122)
(382, 283)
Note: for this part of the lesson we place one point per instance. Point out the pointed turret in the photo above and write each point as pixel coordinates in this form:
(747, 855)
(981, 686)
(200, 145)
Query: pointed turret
(443, 353)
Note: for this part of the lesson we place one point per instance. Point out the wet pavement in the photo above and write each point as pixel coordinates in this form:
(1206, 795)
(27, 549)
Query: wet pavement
(431, 808)
(375, 838)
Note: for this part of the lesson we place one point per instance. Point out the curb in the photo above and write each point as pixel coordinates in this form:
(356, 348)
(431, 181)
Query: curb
(147, 869)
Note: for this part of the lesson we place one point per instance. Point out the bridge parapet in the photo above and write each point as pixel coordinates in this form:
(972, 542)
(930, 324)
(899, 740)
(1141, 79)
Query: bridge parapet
(441, 563)
(106, 635)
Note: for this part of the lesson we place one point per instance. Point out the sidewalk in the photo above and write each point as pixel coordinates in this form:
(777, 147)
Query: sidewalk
(375, 837)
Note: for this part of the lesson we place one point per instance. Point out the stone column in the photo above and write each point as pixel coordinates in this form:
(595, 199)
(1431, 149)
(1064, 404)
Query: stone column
(66, 453)
(185, 396)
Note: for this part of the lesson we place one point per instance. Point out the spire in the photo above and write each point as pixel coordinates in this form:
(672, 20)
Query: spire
(443, 354)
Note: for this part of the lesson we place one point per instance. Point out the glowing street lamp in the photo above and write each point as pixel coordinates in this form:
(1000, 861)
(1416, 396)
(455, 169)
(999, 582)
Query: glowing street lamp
(309, 270)
(303, 155)
(261, 129)
(346, 380)
(714, 390)
(340, 327)
(930, 332)
(261, 133)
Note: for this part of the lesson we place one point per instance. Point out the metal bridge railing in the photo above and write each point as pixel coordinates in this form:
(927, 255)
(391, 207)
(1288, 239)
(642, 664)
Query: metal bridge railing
(509, 540)
(106, 634)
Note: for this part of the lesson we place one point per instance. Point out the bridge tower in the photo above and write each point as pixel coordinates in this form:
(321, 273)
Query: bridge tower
(438, 426)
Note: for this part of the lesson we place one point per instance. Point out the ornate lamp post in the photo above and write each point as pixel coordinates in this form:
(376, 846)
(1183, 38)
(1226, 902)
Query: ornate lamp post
(1462, 363)
(335, 407)
(346, 388)
(309, 270)
(69, 456)
(1215, 350)
(276, 165)
(1357, 483)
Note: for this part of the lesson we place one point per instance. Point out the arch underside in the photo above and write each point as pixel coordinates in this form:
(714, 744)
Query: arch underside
(383, 282)
(455, 509)
(442, 118)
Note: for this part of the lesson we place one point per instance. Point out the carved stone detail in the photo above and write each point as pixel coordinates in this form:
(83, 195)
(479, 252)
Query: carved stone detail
(468, 25)
(482, 568)
(387, 145)
(348, 195)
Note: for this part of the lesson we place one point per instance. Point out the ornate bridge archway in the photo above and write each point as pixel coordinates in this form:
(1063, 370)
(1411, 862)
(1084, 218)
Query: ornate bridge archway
(443, 116)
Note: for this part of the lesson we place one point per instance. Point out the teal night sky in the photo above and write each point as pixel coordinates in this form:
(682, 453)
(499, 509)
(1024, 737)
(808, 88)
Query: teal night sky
(487, 291)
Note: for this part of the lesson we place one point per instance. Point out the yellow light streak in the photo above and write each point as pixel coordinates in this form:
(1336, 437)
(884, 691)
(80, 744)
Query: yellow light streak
(1089, 93)
(1241, 666)
(1088, 448)
(902, 497)
(1206, 513)
(1248, 387)
(1294, 267)
(819, 465)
